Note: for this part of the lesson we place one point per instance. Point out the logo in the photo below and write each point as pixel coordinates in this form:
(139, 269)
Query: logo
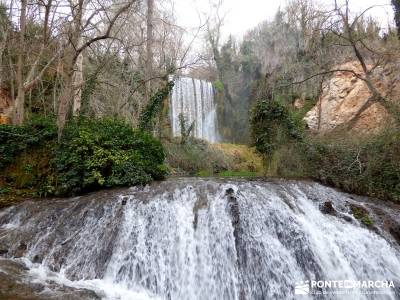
(344, 287)
(302, 288)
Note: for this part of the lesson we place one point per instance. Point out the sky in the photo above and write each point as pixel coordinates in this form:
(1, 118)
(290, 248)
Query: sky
(243, 15)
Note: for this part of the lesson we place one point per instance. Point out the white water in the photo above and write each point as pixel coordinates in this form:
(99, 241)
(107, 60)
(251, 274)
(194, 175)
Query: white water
(194, 99)
(185, 239)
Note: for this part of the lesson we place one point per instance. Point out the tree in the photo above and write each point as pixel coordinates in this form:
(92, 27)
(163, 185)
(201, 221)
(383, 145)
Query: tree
(353, 36)
(357, 42)
(149, 48)
(18, 116)
(77, 45)
(26, 81)
(396, 8)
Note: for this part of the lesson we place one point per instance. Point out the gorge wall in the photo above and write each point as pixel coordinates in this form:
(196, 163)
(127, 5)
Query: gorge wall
(344, 94)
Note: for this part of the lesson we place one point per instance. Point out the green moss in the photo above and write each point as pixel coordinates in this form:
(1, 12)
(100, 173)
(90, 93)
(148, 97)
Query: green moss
(366, 220)
(362, 215)
(218, 86)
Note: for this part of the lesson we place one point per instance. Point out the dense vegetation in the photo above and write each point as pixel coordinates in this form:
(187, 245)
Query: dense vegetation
(92, 154)
(273, 126)
(368, 165)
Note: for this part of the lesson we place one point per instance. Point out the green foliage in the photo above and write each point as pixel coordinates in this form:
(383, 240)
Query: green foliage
(369, 166)
(148, 116)
(272, 126)
(218, 86)
(37, 131)
(4, 190)
(106, 153)
(92, 154)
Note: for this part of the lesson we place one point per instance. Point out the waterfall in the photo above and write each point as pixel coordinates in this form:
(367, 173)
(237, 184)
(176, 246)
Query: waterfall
(192, 239)
(194, 99)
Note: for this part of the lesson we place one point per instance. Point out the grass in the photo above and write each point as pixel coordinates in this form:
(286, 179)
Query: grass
(238, 174)
(199, 158)
(228, 174)
(244, 158)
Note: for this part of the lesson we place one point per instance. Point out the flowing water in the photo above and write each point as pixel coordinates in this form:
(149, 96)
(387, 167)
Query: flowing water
(200, 239)
(194, 99)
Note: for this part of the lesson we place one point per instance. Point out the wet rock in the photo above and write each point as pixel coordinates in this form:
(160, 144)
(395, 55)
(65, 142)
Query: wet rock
(13, 286)
(346, 218)
(37, 259)
(20, 250)
(229, 191)
(395, 232)
(201, 203)
(327, 208)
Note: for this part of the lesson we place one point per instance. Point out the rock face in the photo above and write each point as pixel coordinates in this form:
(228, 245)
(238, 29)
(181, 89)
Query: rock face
(344, 94)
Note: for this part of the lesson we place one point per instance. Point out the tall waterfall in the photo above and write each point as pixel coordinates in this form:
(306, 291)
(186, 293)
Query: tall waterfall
(194, 99)
(194, 239)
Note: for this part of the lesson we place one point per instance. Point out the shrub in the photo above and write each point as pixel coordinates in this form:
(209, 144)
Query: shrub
(106, 153)
(37, 131)
(370, 166)
(195, 156)
(272, 126)
(92, 154)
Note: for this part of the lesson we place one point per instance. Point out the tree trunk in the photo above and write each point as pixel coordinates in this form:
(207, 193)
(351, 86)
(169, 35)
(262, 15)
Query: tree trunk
(77, 82)
(72, 85)
(18, 116)
(64, 104)
(149, 49)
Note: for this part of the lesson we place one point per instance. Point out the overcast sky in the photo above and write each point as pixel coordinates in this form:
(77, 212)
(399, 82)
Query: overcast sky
(243, 15)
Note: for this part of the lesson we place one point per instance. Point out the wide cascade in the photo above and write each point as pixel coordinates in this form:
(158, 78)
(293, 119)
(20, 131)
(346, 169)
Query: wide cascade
(198, 239)
(194, 99)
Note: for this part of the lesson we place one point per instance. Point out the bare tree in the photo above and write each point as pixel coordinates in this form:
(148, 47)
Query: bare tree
(149, 48)
(348, 35)
(18, 116)
(77, 43)
(26, 81)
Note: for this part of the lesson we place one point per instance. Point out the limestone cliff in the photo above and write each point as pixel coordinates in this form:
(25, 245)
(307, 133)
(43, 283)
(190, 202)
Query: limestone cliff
(344, 94)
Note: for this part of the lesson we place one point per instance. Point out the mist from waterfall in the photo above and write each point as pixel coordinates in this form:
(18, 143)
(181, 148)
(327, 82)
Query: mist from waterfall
(194, 99)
